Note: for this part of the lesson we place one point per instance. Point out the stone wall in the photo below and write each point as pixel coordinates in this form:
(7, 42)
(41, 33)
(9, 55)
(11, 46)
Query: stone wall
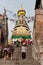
(38, 36)
(4, 26)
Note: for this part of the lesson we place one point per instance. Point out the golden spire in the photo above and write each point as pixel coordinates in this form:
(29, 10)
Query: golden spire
(21, 11)
(21, 8)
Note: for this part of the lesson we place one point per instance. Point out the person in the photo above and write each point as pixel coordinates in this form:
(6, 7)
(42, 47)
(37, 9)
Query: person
(32, 42)
(23, 50)
(8, 50)
(11, 52)
(17, 43)
(24, 42)
(29, 43)
(5, 53)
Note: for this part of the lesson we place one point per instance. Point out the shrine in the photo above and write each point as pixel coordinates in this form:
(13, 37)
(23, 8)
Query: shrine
(21, 29)
(3, 29)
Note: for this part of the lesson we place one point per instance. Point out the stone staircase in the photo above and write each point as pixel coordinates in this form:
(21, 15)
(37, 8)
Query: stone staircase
(17, 59)
(29, 60)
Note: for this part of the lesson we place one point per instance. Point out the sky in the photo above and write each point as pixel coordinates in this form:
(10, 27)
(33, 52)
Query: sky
(14, 6)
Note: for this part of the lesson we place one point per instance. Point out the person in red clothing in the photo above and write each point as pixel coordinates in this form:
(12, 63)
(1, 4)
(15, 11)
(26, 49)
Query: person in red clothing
(24, 42)
(29, 43)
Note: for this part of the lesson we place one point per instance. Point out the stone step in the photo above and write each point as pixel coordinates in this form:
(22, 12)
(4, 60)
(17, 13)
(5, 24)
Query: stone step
(20, 62)
(17, 58)
(6, 62)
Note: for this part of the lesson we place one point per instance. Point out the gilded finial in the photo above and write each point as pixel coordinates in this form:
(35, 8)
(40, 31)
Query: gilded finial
(21, 11)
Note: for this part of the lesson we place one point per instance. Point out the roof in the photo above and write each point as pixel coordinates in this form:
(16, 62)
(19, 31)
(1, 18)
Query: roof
(37, 5)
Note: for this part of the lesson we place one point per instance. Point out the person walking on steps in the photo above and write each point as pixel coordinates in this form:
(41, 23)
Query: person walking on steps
(23, 50)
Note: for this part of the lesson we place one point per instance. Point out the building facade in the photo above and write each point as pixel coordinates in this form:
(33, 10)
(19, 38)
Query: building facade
(3, 29)
(37, 48)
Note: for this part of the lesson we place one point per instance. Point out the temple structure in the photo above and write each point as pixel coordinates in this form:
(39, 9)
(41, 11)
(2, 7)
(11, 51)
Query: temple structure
(37, 47)
(3, 29)
(21, 29)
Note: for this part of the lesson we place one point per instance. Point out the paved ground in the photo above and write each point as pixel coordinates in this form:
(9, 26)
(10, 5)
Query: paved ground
(17, 59)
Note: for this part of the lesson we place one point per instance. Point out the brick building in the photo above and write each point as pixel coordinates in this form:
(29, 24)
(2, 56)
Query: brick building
(3, 29)
(38, 32)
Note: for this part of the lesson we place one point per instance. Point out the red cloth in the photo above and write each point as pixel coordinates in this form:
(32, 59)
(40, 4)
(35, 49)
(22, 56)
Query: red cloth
(28, 42)
(24, 41)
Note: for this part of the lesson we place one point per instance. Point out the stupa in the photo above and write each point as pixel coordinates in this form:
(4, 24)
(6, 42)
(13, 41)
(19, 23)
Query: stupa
(21, 29)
